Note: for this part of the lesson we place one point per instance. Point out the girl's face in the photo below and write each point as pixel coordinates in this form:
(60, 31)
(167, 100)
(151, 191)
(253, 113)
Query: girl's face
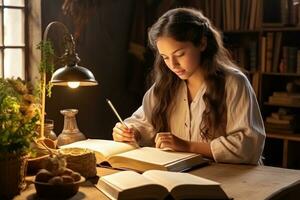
(182, 58)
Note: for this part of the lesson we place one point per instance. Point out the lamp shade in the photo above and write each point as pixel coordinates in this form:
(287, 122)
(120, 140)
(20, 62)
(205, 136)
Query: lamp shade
(73, 73)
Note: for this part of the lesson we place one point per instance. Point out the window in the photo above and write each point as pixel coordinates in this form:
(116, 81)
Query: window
(12, 38)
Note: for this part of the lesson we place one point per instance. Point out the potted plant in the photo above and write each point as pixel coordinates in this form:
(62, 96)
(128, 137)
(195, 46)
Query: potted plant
(19, 116)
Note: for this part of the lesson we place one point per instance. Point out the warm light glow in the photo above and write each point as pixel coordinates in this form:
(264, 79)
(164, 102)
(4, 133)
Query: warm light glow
(73, 84)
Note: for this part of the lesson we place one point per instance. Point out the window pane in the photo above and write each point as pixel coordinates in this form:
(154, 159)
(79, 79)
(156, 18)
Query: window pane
(1, 67)
(1, 39)
(13, 2)
(13, 27)
(14, 63)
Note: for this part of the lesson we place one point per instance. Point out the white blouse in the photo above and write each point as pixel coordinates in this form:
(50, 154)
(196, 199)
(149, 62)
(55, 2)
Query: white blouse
(243, 140)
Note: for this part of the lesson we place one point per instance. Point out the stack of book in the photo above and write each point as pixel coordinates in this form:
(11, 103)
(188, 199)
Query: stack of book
(281, 122)
(285, 98)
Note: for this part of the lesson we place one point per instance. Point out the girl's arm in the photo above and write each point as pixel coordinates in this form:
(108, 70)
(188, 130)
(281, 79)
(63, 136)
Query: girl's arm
(245, 133)
(168, 140)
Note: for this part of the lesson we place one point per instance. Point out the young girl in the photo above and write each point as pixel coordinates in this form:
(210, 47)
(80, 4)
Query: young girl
(199, 102)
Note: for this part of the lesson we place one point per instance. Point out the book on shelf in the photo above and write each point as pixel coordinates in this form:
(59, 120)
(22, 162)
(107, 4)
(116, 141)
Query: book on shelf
(237, 14)
(277, 48)
(156, 184)
(218, 14)
(269, 51)
(253, 13)
(125, 156)
(283, 128)
(255, 82)
(279, 121)
(282, 116)
(284, 100)
(293, 12)
(252, 49)
(286, 94)
(270, 129)
(282, 121)
(263, 54)
(289, 59)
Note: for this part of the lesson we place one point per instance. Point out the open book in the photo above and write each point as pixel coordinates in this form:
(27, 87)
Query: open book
(122, 155)
(156, 184)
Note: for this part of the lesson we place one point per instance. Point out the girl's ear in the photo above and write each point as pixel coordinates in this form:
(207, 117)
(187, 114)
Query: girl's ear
(203, 43)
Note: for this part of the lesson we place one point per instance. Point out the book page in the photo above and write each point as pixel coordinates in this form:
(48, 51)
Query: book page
(105, 148)
(127, 179)
(155, 156)
(171, 180)
(130, 185)
(187, 186)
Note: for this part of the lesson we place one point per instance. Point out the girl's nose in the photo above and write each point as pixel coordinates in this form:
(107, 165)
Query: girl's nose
(174, 62)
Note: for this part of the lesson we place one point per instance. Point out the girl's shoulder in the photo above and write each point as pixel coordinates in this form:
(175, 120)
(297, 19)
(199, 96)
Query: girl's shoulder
(235, 76)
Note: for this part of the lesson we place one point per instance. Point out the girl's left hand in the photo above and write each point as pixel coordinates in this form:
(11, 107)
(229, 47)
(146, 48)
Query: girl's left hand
(166, 140)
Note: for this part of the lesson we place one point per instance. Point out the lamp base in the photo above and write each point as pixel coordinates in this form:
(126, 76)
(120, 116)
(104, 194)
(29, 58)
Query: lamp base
(70, 132)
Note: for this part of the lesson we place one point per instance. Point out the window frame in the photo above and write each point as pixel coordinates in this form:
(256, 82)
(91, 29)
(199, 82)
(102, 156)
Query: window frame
(26, 38)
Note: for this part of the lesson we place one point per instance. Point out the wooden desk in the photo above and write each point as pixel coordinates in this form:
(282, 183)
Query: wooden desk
(240, 182)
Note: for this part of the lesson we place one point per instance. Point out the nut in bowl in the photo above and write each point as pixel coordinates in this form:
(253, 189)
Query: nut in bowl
(64, 185)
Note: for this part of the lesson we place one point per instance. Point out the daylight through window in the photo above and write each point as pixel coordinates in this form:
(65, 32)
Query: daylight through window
(12, 38)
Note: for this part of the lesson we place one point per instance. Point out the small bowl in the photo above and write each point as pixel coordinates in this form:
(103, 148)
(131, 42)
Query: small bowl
(66, 190)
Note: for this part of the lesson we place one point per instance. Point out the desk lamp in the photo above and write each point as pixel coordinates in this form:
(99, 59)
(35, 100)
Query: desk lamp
(72, 75)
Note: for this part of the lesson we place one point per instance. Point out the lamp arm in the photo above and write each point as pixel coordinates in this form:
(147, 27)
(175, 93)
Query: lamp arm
(57, 23)
(69, 51)
(70, 56)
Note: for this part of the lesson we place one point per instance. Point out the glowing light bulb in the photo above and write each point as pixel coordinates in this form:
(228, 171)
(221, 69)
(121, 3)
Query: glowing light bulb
(73, 84)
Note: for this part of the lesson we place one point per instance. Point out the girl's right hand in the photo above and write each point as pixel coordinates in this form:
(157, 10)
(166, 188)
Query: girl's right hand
(123, 134)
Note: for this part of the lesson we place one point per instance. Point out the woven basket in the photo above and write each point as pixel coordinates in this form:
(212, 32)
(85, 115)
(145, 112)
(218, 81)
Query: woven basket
(12, 175)
(80, 160)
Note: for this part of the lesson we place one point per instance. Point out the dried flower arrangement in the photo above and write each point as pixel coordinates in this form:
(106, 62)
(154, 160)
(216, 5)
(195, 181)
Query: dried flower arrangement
(19, 116)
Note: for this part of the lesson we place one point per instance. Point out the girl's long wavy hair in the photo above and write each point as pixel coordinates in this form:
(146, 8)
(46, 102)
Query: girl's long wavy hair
(190, 25)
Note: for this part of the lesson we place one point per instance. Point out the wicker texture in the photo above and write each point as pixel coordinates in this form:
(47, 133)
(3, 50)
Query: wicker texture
(80, 160)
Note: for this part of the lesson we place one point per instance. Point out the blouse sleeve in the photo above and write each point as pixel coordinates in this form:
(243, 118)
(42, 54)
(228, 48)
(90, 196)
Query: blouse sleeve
(245, 132)
(141, 119)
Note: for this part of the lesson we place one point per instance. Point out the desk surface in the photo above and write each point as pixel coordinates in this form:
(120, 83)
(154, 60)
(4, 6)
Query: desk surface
(238, 181)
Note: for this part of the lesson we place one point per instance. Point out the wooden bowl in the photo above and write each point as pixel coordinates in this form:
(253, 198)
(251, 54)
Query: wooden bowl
(67, 190)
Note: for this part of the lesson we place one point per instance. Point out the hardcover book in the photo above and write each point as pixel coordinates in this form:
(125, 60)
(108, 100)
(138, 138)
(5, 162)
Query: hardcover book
(156, 184)
(125, 156)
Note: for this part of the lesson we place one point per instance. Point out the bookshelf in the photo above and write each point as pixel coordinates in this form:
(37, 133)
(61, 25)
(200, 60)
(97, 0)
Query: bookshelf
(286, 139)
(265, 42)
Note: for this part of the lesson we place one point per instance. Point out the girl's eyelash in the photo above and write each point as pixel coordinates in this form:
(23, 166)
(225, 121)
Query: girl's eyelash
(180, 54)
(177, 55)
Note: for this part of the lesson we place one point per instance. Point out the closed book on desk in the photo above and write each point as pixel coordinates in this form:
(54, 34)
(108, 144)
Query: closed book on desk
(126, 156)
(156, 184)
